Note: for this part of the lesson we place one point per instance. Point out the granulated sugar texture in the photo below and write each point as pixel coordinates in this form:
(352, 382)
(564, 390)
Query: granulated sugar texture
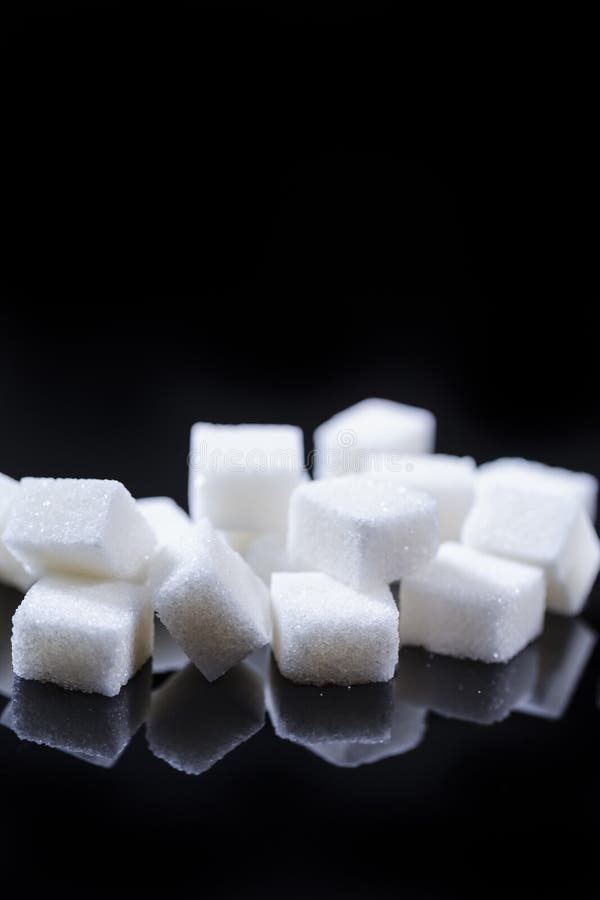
(271, 556)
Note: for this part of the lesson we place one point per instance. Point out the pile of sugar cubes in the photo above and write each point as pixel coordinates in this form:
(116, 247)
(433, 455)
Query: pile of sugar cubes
(269, 555)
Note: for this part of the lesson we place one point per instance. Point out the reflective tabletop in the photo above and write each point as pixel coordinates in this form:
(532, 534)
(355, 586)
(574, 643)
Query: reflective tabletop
(253, 757)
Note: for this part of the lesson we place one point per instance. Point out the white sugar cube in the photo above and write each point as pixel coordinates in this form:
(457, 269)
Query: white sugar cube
(194, 723)
(85, 526)
(470, 604)
(267, 554)
(543, 529)
(241, 476)
(463, 688)
(449, 479)
(93, 728)
(406, 733)
(81, 634)
(12, 571)
(525, 473)
(169, 522)
(563, 653)
(363, 530)
(327, 633)
(306, 715)
(368, 436)
(211, 601)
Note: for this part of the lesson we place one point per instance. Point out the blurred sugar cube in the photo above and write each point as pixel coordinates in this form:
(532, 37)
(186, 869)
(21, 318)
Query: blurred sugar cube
(367, 436)
(241, 476)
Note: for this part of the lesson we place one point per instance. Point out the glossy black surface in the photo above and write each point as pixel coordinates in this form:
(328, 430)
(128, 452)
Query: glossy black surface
(453, 752)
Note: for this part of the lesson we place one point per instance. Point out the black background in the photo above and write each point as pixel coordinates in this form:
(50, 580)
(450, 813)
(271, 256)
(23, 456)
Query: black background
(235, 212)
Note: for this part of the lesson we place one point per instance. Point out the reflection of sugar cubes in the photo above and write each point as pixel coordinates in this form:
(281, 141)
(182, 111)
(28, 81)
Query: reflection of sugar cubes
(463, 688)
(406, 733)
(193, 723)
(563, 652)
(94, 728)
(306, 714)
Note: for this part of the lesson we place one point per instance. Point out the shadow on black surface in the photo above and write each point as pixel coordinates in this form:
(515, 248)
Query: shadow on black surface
(91, 727)
(463, 689)
(563, 652)
(193, 722)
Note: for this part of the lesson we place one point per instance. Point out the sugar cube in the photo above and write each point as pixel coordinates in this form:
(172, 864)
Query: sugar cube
(368, 436)
(547, 530)
(93, 728)
(167, 655)
(463, 688)
(363, 530)
(449, 479)
(306, 714)
(267, 554)
(525, 473)
(12, 571)
(241, 476)
(86, 526)
(563, 653)
(170, 524)
(194, 723)
(211, 601)
(327, 633)
(81, 634)
(470, 604)
(406, 733)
